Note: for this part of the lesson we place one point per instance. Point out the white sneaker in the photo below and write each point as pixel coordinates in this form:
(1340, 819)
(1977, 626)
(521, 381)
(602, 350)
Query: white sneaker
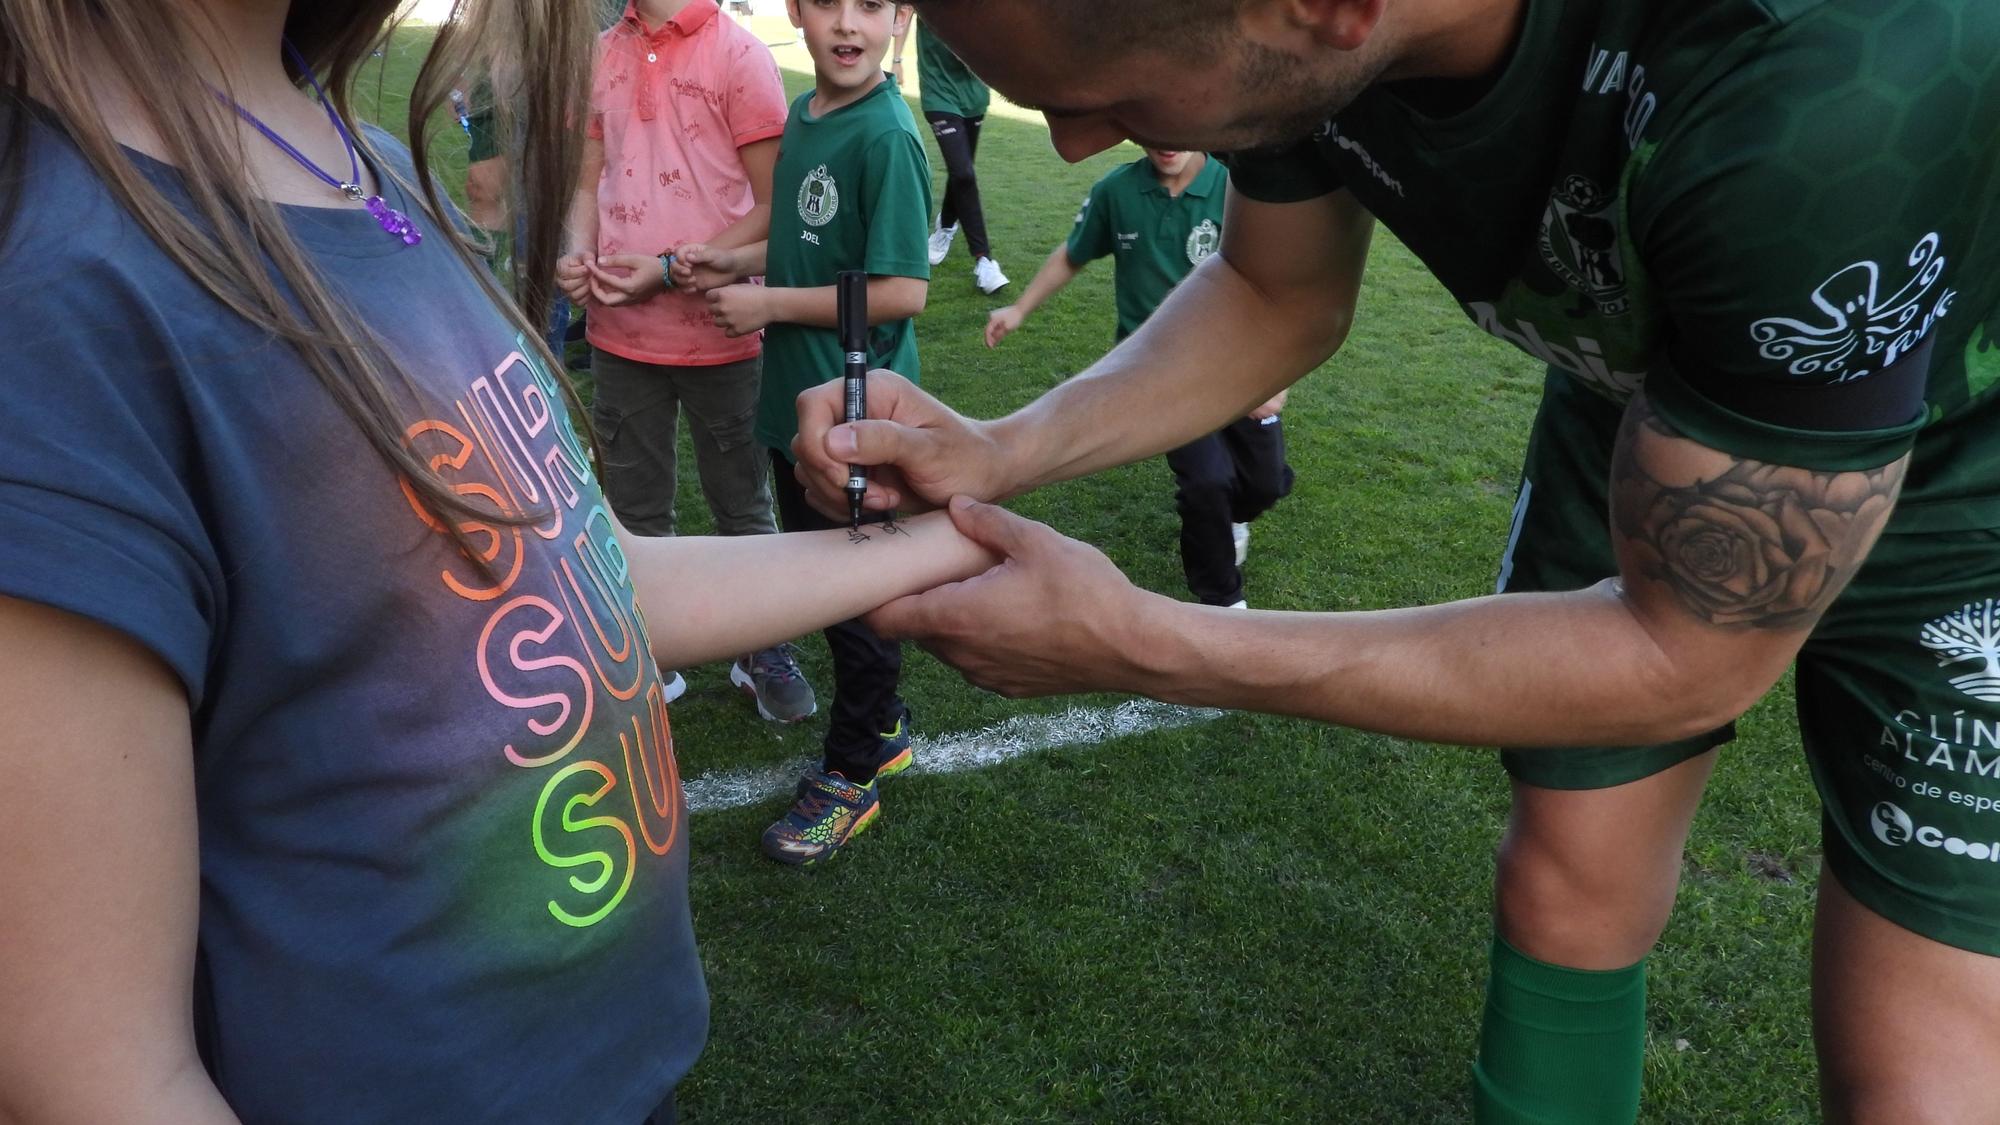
(986, 274)
(1239, 604)
(676, 685)
(941, 242)
(1240, 532)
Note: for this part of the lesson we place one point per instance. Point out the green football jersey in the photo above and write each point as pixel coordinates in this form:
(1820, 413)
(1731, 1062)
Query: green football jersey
(851, 191)
(1154, 238)
(1781, 217)
(947, 86)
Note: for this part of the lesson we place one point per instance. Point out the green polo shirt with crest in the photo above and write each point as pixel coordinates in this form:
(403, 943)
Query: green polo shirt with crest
(1154, 238)
(851, 191)
(1777, 216)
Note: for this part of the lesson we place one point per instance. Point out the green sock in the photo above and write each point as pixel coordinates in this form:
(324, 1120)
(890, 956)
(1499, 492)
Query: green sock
(1559, 1046)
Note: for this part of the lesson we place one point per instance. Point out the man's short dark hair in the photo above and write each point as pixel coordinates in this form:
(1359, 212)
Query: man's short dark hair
(1175, 24)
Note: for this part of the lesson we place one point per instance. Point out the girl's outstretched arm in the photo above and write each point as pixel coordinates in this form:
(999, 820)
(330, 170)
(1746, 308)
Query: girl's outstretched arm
(716, 598)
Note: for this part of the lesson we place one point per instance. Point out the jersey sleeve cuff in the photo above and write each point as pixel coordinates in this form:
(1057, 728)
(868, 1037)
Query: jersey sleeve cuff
(1833, 451)
(899, 267)
(1278, 176)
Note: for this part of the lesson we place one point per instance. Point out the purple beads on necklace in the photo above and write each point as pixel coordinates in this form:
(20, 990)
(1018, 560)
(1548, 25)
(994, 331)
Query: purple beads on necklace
(393, 221)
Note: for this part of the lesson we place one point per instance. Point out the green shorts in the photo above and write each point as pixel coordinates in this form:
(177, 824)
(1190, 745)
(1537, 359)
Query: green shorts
(1898, 689)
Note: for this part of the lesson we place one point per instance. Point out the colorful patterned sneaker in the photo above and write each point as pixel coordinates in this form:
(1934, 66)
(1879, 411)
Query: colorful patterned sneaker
(897, 755)
(771, 676)
(827, 811)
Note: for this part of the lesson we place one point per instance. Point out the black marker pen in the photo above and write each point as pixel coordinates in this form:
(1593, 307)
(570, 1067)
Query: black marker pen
(851, 297)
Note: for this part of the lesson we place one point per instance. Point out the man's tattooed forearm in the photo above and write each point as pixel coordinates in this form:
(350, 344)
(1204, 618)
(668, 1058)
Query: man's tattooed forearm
(1741, 542)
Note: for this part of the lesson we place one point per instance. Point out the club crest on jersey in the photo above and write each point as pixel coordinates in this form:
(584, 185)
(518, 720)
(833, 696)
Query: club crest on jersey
(1202, 241)
(1580, 243)
(819, 198)
(1859, 330)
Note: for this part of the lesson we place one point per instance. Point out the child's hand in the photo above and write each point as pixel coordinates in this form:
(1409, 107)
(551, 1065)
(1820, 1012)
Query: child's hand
(573, 276)
(740, 309)
(639, 278)
(702, 267)
(1271, 408)
(1001, 323)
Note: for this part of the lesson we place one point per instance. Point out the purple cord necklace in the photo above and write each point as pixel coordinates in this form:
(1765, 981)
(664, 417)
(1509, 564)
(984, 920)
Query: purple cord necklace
(390, 219)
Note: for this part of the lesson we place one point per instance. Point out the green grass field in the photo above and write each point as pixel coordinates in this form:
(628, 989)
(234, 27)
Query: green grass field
(1249, 920)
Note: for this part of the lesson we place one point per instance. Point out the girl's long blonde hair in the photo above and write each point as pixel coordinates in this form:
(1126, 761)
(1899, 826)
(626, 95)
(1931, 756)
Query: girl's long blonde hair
(52, 52)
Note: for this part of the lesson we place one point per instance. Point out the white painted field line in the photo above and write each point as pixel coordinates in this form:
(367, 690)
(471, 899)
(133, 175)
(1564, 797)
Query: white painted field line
(973, 750)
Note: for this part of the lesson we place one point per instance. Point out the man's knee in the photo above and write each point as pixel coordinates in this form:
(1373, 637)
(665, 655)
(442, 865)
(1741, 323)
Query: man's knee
(1579, 907)
(486, 187)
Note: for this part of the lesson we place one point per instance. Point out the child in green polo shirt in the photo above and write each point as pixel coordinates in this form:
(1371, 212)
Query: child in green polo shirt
(1160, 216)
(852, 190)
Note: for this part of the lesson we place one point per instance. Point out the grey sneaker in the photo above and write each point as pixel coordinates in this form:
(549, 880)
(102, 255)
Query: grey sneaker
(771, 676)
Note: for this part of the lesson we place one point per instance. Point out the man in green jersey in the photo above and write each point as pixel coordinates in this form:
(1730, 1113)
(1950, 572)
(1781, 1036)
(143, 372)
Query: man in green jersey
(954, 101)
(1757, 242)
(1157, 218)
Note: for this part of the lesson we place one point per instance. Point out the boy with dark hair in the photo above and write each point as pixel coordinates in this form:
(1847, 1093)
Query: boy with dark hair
(851, 191)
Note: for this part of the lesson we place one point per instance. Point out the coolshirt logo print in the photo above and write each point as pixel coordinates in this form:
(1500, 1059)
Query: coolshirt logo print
(1896, 828)
(1202, 241)
(1971, 633)
(1891, 824)
(1859, 331)
(819, 198)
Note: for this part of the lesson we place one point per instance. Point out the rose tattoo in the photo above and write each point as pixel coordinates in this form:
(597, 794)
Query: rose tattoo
(1759, 545)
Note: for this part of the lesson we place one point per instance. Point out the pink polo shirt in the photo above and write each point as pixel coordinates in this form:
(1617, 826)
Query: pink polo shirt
(672, 105)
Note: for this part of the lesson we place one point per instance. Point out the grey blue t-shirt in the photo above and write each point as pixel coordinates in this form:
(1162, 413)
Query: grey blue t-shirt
(443, 844)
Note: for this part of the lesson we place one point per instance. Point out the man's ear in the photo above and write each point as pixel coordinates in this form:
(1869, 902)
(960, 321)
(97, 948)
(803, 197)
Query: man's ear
(1341, 24)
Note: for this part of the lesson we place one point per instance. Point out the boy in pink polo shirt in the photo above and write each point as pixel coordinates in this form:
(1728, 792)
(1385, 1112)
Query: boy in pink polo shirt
(685, 114)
